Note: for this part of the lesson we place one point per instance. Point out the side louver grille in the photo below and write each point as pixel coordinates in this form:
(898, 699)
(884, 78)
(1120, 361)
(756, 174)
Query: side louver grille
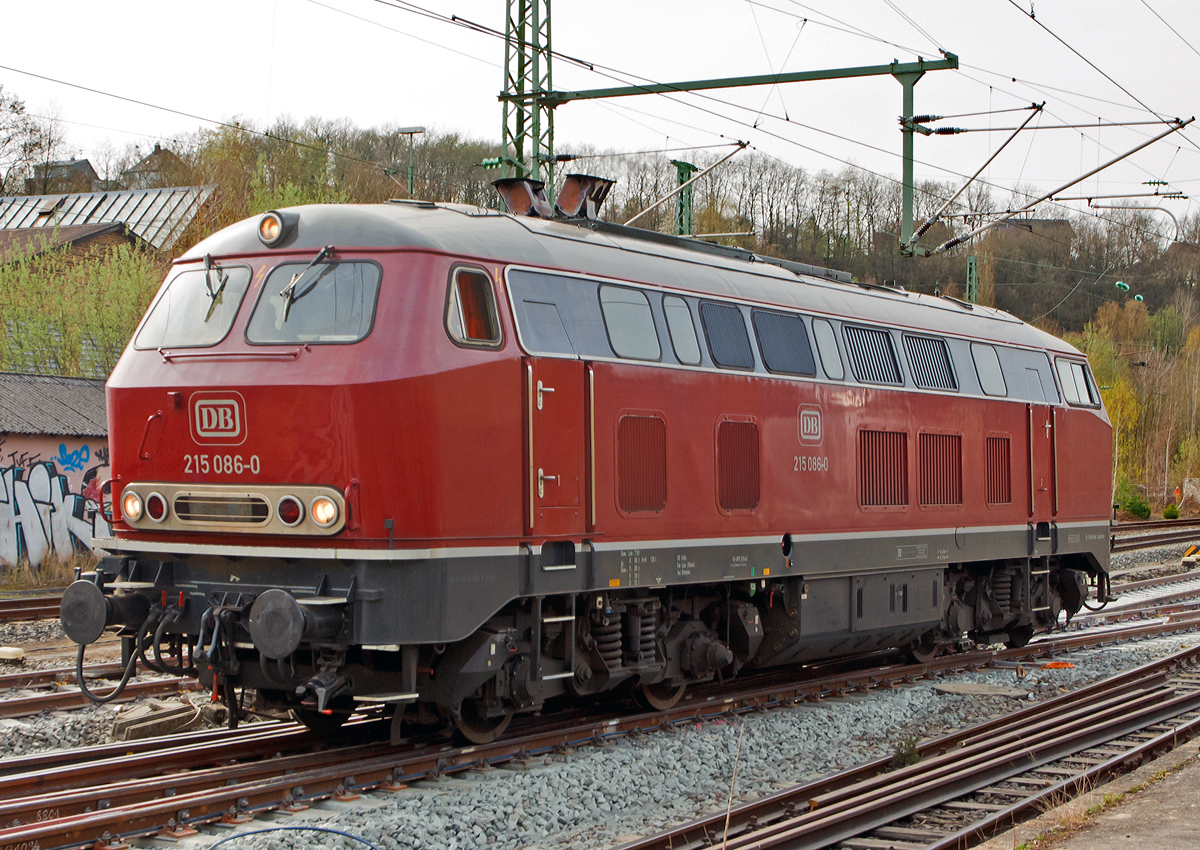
(883, 468)
(641, 463)
(941, 469)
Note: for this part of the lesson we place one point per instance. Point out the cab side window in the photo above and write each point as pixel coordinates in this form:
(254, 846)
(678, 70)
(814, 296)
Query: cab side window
(471, 315)
(1078, 386)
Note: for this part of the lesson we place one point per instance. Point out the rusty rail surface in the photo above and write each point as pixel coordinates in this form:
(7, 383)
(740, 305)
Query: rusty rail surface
(18, 608)
(28, 706)
(872, 797)
(1149, 541)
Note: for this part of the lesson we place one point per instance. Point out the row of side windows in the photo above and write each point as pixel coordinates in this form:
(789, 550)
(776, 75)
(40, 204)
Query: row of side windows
(576, 316)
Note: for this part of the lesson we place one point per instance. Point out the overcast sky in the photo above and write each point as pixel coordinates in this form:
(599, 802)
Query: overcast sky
(379, 62)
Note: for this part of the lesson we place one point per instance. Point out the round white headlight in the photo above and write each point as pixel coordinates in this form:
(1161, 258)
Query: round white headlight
(324, 511)
(131, 506)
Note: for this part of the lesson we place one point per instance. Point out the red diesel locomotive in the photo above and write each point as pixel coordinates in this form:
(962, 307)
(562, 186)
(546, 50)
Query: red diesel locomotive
(460, 462)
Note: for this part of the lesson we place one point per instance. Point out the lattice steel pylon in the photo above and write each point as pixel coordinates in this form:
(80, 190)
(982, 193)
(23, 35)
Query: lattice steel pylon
(527, 136)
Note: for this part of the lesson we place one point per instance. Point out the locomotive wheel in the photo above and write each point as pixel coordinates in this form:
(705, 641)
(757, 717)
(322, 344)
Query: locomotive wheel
(477, 727)
(924, 652)
(1018, 637)
(660, 696)
(322, 724)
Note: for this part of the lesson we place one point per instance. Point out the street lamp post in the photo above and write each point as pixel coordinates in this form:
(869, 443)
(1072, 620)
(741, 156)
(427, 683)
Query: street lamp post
(410, 132)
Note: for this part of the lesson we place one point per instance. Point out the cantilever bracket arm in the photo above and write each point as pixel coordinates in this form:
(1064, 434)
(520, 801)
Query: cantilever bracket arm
(557, 98)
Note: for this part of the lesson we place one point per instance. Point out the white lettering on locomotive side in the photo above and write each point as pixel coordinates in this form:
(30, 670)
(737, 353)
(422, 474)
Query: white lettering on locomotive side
(808, 463)
(220, 465)
(218, 418)
(810, 432)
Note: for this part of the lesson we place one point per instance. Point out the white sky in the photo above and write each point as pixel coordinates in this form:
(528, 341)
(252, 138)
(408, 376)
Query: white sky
(373, 63)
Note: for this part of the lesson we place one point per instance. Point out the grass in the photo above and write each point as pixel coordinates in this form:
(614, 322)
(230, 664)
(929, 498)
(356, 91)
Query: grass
(1074, 820)
(906, 753)
(52, 572)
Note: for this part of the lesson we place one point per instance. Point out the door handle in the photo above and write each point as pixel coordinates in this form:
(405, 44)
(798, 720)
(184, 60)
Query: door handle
(542, 479)
(541, 389)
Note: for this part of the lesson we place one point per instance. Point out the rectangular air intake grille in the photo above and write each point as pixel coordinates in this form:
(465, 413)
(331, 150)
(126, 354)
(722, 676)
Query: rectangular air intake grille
(872, 357)
(882, 468)
(929, 363)
(999, 471)
(941, 469)
(245, 510)
(641, 463)
(737, 466)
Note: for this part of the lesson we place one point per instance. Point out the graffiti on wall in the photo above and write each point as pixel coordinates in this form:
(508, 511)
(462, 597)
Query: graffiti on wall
(50, 498)
(39, 515)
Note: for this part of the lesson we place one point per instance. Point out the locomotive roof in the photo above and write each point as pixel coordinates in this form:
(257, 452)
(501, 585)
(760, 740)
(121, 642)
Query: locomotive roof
(621, 253)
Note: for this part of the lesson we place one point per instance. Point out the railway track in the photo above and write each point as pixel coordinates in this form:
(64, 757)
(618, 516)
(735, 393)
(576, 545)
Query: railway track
(969, 785)
(15, 609)
(183, 783)
(65, 700)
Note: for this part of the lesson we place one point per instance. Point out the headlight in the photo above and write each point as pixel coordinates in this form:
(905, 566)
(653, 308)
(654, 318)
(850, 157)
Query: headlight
(324, 511)
(274, 227)
(131, 506)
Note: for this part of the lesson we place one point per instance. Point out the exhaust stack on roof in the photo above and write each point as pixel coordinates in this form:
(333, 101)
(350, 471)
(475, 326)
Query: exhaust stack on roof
(523, 196)
(581, 196)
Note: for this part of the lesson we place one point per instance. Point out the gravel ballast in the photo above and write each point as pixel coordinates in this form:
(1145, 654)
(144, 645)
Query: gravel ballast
(598, 797)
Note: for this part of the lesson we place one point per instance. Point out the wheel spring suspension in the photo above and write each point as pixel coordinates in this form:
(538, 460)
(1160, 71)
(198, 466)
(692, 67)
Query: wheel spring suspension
(607, 634)
(1002, 590)
(646, 647)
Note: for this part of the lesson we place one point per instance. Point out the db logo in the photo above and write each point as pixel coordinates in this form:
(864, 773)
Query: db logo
(218, 418)
(810, 425)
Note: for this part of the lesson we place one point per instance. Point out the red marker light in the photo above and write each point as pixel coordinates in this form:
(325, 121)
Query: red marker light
(290, 511)
(156, 507)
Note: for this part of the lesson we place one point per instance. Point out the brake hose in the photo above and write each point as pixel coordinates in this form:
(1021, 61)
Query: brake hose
(161, 666)
(143, 631)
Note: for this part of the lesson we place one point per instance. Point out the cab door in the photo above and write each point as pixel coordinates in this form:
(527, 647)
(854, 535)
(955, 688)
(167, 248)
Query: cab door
(1043, 483)
(1043, 490)
(554, 435)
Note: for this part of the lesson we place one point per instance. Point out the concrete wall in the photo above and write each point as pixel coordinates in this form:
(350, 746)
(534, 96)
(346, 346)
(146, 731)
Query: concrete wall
(49, 496)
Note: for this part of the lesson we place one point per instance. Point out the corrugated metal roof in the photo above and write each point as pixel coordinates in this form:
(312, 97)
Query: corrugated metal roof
(27, 239)
(158, 216)
(46, 404)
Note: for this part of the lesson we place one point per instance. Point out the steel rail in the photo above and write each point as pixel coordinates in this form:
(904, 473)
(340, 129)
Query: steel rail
(1158, 581)
(836, 808)
(1146, 525)
(18, 608)
(36, 678)
(385, 769)
(27, 706)
(1039, 802)
(1149, 541)
(36, 769)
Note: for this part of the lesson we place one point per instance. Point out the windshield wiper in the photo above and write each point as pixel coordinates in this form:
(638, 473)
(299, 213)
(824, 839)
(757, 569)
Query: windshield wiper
(288, 293)
(214, 295)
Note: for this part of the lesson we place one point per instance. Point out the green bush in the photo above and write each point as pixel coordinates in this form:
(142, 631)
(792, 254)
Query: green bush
(1132, 500)
(1171, 511)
